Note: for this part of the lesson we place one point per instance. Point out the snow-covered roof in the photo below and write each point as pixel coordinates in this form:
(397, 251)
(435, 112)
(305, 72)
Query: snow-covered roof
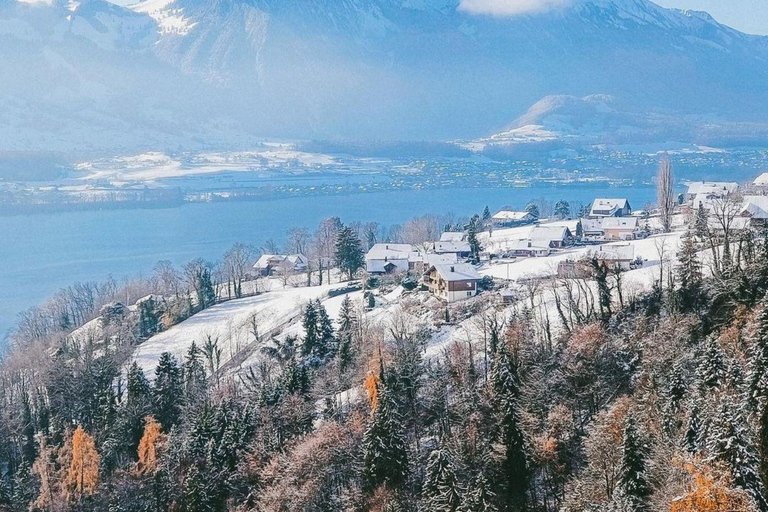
(755, 207)
(548, 234)
(440, 259)
(712, 187)
(762, 180)
(265, 260)
(456, 272)
(452, 236)
(390, 252)
(607, 205)
(614, 223)
(613, 252)
(456, 247)
(510, 215)
(523, 245)
(620, 223)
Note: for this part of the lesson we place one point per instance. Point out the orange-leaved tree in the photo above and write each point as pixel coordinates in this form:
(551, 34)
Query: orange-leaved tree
(149, 446)
(83, 475)
(710, 490)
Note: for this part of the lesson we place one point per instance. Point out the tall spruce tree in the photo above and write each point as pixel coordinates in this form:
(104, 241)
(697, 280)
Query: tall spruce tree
(757, 384)
(193, 371)
(515, 472)
(385, 454)
(712, 371)
(326, 339)
(440, 492)
(633, 487)
(693, 431)
(728, 443)
(349, 252)
(689, 274)
(473, 229)
(168, 391)
(311, 336)
(479, 497)
(346, 333)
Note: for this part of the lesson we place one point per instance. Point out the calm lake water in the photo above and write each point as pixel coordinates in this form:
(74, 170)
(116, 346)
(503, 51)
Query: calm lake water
(41, 253)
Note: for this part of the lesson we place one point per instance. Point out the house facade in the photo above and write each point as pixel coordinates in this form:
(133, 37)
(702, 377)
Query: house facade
(610, 229)
(452, 282)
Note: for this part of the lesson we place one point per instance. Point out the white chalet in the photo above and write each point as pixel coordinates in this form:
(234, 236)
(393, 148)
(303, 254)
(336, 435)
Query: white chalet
(602, 207)
(756, 209)
(452, 236)
(510, 218)
(699, 191)
(452, 282)
(389, 258)
(269, 264)
(610, 229)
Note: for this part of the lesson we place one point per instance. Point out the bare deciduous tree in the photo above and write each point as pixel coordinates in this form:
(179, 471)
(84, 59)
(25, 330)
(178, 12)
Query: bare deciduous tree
(665, 193)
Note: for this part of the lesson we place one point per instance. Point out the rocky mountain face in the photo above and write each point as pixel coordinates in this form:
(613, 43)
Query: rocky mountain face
(183, 73)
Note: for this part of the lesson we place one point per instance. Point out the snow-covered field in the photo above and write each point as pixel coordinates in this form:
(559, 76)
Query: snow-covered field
(153, 166)
(231, 323)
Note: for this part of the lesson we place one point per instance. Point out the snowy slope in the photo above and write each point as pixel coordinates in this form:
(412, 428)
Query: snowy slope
(231, 324)
(187, 72)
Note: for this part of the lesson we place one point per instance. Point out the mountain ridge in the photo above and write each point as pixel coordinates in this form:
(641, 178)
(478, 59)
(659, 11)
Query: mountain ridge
(389, 69)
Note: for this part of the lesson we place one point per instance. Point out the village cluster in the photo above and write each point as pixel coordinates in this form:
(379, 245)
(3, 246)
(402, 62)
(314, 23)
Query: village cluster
(449, 267)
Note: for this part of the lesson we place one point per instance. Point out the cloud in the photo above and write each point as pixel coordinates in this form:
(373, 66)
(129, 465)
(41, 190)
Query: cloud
(504, 8)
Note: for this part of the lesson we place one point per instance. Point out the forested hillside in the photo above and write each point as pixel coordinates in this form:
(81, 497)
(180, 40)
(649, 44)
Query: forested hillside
(637, 402)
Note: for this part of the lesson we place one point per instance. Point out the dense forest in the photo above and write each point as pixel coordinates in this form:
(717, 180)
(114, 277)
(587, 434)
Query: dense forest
(655, 402)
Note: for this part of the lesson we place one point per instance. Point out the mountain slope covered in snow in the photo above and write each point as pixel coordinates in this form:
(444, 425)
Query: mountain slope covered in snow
(168, 73)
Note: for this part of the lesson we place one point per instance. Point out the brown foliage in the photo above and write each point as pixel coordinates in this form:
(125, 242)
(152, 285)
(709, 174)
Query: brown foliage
(83, 475)
(310, 471)
(149, 445)
(372, 389)
(710, 490)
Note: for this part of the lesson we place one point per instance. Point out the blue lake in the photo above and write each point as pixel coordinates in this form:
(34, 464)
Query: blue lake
(40, 253)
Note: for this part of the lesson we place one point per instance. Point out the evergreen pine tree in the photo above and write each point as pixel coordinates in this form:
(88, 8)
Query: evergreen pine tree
(633, 487)
(689, 274)
(728, 443)
(168, 391)
(486, 214)
(440, 491)
(532, 209)
(479, 497)
(385, 456)
(346, 332)
(692, 438)
(701, 224)
(195, 380)
(473, 228)
(309, 322)
(135, 407)
(757, 384)
(712, 371)
(514, 466)
(562, 209)
(206, 295)
(22, 492)
(349, 252)
(326, 340)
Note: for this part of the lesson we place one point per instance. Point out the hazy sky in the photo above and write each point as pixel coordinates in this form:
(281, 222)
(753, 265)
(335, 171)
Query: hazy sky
(746, 15)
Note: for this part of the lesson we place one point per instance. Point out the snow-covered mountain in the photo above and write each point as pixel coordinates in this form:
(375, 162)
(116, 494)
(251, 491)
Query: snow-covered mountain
(169, 73)
(560, 121)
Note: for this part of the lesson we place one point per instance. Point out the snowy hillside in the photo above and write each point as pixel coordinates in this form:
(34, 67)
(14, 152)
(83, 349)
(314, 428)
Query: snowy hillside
(602, 119)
